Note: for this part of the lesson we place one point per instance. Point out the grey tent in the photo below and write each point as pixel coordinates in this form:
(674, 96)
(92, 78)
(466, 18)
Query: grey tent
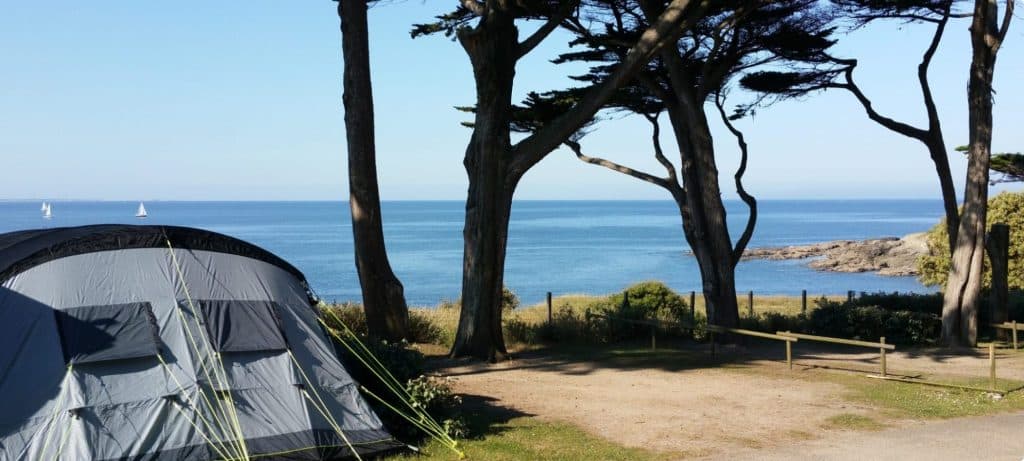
(156, 342)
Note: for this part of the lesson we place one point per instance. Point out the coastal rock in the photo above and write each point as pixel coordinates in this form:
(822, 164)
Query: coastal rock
(888, 256)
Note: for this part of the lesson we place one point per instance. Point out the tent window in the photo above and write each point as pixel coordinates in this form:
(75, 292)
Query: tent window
(113, 332)
(243, 326)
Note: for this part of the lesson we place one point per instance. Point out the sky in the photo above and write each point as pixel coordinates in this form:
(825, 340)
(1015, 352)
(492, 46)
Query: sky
(233, 100)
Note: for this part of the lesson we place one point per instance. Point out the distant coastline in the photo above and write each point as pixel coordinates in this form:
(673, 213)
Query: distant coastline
(890, 256)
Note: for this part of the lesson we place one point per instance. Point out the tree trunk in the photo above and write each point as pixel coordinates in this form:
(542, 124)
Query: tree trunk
(387, 315)
(963, 289)
(937, 150)
(704, 217)
(492, 50)
(998, 248)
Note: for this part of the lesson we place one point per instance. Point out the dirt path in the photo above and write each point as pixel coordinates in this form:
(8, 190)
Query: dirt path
(990, 438)
(686, 407)
(684, 413)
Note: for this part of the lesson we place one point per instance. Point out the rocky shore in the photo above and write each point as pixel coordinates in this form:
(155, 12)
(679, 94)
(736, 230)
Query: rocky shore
(888, 256)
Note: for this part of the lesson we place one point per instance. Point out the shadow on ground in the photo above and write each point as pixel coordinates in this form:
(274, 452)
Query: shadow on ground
(682, 355)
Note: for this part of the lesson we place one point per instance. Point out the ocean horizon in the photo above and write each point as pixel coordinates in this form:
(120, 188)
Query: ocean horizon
(561, 246)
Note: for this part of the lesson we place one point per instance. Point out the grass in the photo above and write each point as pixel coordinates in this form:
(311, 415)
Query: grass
(904, 400)
(851, 421)
(531, 438)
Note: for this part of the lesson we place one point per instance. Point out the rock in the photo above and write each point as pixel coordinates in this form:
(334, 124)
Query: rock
(888, 256)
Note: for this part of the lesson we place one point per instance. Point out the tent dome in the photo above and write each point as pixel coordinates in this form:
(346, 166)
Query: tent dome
(163, 342)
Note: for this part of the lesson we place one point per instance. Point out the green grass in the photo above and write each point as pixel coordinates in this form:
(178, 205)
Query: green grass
(904, 400)
(525, 438)
(854, 422)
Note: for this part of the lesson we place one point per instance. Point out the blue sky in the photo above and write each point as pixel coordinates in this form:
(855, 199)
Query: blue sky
(231, 100)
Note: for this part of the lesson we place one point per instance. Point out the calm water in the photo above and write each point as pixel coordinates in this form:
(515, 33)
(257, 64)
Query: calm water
(563, 247)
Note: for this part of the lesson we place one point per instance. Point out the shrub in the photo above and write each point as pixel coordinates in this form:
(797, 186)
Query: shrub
(871, 322)
(509, 300)
(913, 302)
(422, 329)
(435, 396)
(649, 300)
(1004, 208)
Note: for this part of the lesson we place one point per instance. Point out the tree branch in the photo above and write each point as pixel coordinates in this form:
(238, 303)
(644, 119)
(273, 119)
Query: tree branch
(531, 42)
(922, 69)
(893, 125)
(473, 5)
(575, 146)
(658, 153)
(750, 200)
(1007, 16)
(677, 18)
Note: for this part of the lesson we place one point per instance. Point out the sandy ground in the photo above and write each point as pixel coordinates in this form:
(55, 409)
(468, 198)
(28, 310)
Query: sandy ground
(990, 438)
(690, 411)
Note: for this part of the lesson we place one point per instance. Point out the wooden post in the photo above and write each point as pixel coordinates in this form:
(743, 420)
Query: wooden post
(789, 354)
(549, 309)
(693, 309)
(1014, 324)
(750, 303)
(849, 296)
(997, 245)
(803, 302)
(992, 365)
(653, 333)
(881, 352)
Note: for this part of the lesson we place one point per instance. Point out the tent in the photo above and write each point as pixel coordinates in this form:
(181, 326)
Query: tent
(158, 342)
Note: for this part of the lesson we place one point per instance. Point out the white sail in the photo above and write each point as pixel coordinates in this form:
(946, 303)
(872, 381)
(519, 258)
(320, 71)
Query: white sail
(43, 208)
(48, 212)
(141, 213)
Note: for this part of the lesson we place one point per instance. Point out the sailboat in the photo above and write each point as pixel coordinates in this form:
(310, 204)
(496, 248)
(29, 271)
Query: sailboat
(47, 211)
(43, 208)
(141, 213)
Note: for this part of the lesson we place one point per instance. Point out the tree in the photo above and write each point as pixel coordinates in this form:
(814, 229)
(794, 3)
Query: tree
(963, 287)
(1004, 208)
(488, 34)
(860, 13)
(1009, 166)
(387, 315)
(683, 83)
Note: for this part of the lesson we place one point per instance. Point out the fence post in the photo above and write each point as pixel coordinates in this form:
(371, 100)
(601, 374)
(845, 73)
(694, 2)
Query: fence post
(881, 352)
(693, 309)
(992, 365)
(849, 296)
(789, 354)
(750, 303)
(1014, 335)
(803, 302)
(549, 308)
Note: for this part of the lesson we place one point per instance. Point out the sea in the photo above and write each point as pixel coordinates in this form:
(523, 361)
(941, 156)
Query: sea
(563, 247)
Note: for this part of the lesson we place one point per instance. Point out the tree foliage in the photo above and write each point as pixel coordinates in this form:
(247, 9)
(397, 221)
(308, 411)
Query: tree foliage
(1010, 166)
(1004, 208)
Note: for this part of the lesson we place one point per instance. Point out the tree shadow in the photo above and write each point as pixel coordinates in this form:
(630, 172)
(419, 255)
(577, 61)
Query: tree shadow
(581, 359)
(485, 417)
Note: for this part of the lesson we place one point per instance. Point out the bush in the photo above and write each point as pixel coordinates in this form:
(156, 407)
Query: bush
(509, 300)
(435, 396)
(1004, 208)
(649, 300)
(846, 320)
(421, 328)
(912, 302)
